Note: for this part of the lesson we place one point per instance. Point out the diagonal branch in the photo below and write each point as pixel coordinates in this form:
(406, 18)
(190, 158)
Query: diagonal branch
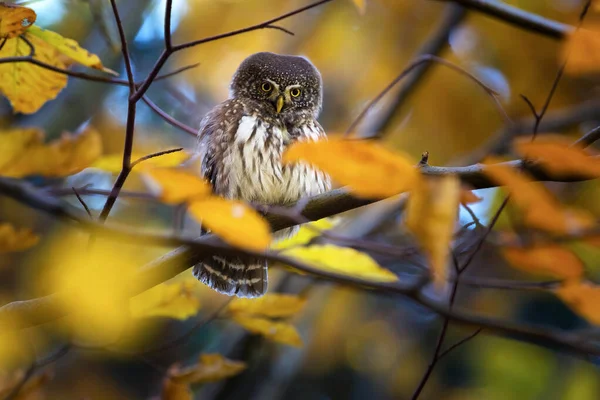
(517, 17)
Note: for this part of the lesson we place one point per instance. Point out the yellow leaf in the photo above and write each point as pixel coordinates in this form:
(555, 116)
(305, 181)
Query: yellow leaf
(177, 186)
(28, 86)
(172, 390)
(361, 6)
(114, 162)
(549, 259)
(233, 221)
(94, 281)
(177, 300)
(26, 154)
(209, 368)
(582, 49)
(14, 20)
(280, 332)
(431, 216)
(69, 48)
(12, 239)
(541, 209)
(305, 234)
(583, 298)
(557, 155)
(367, 168)
(342, 260)
(273, 305)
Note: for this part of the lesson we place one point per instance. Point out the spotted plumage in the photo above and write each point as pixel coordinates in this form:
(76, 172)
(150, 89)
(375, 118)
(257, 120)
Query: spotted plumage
(274, 101)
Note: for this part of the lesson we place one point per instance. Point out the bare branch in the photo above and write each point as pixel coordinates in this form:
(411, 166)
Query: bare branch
(517, 17)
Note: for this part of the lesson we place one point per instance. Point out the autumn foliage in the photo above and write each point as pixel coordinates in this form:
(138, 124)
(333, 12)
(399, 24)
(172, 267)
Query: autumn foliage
(114, 279)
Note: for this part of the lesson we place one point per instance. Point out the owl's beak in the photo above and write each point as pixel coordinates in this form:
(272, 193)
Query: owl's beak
(279, 104)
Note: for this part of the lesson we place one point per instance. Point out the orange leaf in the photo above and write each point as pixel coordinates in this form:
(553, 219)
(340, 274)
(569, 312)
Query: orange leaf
(172, 390)
(545, 259)
(209, 368)
(12, 239)
(177, 186)
(366, 167)
(541, 209)
(582, 48)
(583, 298)
(468, 197)
(556, 154)
(233, 221)
(14, 20)
(431, 216)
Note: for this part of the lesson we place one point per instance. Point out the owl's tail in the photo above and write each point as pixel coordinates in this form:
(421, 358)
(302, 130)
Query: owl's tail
(232, 276)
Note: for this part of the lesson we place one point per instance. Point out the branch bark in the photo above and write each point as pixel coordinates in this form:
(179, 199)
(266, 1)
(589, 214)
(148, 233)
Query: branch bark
(517, 17)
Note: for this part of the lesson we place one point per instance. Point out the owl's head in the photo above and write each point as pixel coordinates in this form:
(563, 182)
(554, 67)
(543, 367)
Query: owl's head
(287, 85)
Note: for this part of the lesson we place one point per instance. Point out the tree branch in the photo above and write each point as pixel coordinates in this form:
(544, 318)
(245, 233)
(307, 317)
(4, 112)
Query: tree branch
(434, 45)
(517, 17)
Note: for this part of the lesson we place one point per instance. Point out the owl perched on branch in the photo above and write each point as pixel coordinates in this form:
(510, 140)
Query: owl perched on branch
(274, 101)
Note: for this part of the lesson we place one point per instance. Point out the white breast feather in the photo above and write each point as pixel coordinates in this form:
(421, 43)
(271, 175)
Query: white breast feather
(255, 170)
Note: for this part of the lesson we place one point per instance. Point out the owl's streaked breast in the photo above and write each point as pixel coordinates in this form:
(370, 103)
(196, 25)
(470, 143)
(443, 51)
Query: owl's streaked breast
(255, 169)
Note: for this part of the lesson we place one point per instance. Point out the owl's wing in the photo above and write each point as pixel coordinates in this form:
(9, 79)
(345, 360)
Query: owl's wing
(217, 132)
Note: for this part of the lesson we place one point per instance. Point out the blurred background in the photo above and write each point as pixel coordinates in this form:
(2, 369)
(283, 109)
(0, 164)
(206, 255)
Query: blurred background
(357, 345)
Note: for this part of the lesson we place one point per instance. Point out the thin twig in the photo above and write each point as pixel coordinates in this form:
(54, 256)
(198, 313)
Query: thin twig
(428, 58)
(170, 120)
(85, 206)
(459, 343)
(124, 47)
(153, 155)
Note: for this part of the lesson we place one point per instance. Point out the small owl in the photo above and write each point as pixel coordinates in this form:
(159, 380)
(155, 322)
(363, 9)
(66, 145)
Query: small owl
(274, 101)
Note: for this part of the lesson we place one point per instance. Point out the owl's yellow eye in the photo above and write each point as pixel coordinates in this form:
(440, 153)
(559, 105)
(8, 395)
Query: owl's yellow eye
(295, 92)
(266, 87)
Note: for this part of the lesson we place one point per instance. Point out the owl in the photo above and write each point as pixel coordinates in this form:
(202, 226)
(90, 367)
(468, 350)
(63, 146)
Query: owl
(274, 101)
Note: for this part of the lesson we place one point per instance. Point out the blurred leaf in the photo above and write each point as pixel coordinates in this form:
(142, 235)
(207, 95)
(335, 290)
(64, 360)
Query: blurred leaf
(468, 197)
(172, 390)
(273, 305)
(31, 390)
(177, 186)
(280, 332)
(431, 216)
(12, 239)
(582, 49)
(69, 48)
(24, 153)
(343, 261)
(504, 369)
(114, 162)
(366, 167)
(548, 259)
(541, 209)
(94, 280)
(176, 300)
(305, 234)
(557, 155)
(361, 6)
(233, 221)
(209, 368)
(583, 298)
(14, 20)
